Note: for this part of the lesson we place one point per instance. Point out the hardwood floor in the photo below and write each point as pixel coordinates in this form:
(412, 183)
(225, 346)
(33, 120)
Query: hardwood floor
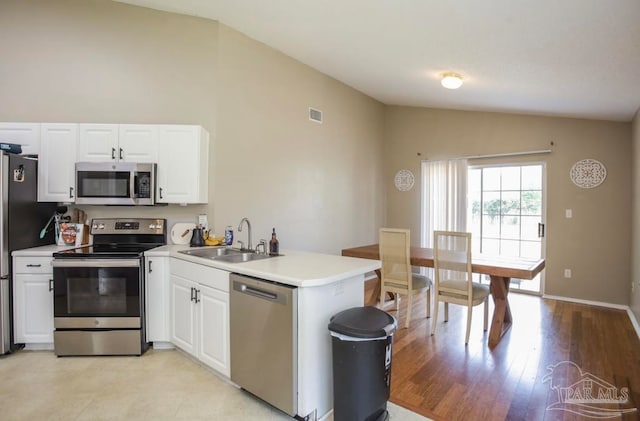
(440, 378)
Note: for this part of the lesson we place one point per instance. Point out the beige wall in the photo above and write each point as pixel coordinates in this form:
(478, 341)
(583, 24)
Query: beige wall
(325, 186)
(100, 61)
(594, 244)
(319, 185)
(105, 62)
(635, 256)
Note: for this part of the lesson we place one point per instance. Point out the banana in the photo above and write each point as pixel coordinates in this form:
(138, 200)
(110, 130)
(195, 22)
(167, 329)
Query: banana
(213, 241)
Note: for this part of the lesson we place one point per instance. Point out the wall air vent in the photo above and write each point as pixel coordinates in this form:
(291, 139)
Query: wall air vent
(315, 115)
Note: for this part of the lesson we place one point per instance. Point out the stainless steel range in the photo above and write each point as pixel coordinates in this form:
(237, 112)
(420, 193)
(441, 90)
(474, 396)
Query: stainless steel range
(99, 289)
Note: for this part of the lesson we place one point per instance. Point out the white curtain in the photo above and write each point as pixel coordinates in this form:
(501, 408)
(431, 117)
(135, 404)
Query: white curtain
(444, 197)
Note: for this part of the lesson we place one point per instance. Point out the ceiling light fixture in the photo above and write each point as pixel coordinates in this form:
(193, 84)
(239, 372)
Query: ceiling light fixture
(451, 80)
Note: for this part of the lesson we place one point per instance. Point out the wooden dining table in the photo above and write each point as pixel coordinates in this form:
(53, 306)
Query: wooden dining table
(499, 269)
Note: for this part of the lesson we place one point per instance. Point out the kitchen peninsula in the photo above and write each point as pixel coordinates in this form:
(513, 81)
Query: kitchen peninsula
(325, 285)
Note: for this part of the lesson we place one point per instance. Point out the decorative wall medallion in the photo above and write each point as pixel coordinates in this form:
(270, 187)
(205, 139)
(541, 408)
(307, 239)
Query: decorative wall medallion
(588, 173)
(404, 180)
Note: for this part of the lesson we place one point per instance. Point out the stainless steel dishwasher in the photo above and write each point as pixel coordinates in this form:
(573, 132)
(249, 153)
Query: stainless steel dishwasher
(264, 340)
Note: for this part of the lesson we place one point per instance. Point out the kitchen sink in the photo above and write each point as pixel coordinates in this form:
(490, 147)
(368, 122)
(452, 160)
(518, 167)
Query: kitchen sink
(242, 257)
(211, 252)
(225, 254)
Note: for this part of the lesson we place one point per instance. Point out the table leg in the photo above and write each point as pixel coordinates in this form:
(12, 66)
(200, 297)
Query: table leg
(376, 291)
(502, 313)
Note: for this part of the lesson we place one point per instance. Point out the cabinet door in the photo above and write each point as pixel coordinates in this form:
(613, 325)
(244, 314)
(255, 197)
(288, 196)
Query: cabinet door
(33, 308)
(183, 154)
(98, 142)
(56, 166)
(213, 328)
(25, 134)
(183, 323)
(138, 143)
(158, 292)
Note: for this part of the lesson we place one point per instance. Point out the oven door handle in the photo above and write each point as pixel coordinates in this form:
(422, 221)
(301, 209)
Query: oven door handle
(92, 263)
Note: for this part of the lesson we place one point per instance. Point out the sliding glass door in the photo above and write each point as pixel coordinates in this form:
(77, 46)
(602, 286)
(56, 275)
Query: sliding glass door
(506, 214)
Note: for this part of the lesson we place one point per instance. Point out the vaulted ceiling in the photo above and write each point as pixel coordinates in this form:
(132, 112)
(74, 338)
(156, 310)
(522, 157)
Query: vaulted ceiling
(572, 58)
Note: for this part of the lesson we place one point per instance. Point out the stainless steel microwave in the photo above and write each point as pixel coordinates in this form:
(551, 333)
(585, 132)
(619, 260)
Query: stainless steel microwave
(115, 183)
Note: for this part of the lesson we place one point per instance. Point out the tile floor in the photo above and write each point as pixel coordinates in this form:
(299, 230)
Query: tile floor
(160, 385)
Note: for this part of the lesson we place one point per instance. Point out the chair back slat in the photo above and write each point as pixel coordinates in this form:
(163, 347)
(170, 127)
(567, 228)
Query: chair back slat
(452, 263)
(394, 254)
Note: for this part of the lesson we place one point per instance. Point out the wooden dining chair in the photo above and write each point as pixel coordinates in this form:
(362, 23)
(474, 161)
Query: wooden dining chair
(396, 275)
(453, 278)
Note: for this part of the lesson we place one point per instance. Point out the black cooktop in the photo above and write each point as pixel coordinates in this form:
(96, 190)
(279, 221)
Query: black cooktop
(120, 237)
(107, 250)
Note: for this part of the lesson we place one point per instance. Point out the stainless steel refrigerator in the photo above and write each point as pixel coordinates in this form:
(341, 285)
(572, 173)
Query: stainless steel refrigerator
(22, 220)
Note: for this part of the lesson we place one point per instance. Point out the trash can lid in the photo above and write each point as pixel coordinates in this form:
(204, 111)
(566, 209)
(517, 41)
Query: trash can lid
(363, 322)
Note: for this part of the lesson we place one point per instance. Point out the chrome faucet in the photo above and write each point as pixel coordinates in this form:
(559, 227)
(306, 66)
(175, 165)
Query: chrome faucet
(249, 245)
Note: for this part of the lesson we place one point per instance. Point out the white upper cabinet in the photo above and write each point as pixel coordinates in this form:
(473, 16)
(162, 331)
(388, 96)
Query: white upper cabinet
(138, 143)
(97, 142)
(25, 134)
(181, 153)
(56, 166)
(183, 156)
(118, 142)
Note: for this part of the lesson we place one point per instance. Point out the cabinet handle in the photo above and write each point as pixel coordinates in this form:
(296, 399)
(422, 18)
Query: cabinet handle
(113, 153)
(31, 265)
(197, 292)
(150, 270)
(120, 154)
(193, 290)
(70, 192)
(50, 284)
(160, 192)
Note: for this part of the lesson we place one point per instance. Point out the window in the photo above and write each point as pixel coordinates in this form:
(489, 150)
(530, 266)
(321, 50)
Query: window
(505, 211)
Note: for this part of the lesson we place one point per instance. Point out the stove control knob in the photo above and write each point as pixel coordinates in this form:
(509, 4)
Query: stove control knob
(152, 226)
(95, 226)
(101, 226)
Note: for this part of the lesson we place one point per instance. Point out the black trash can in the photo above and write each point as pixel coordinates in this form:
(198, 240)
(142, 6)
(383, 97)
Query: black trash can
(361, 346)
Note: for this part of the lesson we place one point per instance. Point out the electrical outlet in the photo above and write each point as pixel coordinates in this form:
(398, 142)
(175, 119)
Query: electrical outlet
(202, 221)
(568, 213)
(567, 273)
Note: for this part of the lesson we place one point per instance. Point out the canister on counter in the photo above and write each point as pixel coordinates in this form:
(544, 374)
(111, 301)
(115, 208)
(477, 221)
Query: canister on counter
(228, 236)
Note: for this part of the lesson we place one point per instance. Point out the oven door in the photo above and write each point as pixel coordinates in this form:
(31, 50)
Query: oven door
(97, 293)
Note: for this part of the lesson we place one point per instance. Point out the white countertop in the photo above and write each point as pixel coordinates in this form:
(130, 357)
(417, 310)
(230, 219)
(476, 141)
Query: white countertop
(41, 251)
(297, 268)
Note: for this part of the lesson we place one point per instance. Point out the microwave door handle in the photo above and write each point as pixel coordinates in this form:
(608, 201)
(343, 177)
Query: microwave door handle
(134, 182)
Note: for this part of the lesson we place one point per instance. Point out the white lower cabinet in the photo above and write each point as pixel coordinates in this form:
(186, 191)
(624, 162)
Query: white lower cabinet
(33, 300)
(213, 330)
(183, 314)
(158, 320)
(199, 305)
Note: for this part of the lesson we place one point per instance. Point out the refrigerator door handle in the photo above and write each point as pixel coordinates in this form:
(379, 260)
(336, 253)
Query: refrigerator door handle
(50, 284)
(70, 192)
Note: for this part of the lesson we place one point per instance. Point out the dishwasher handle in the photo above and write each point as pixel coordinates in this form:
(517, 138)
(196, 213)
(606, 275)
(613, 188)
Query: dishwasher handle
(258, 292)
(262, 293)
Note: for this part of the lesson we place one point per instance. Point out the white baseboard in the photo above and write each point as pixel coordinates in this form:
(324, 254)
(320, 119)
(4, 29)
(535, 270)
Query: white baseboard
(38, 347)
(632, 316)
(587, 302)
(634, 321)
(163, 345)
